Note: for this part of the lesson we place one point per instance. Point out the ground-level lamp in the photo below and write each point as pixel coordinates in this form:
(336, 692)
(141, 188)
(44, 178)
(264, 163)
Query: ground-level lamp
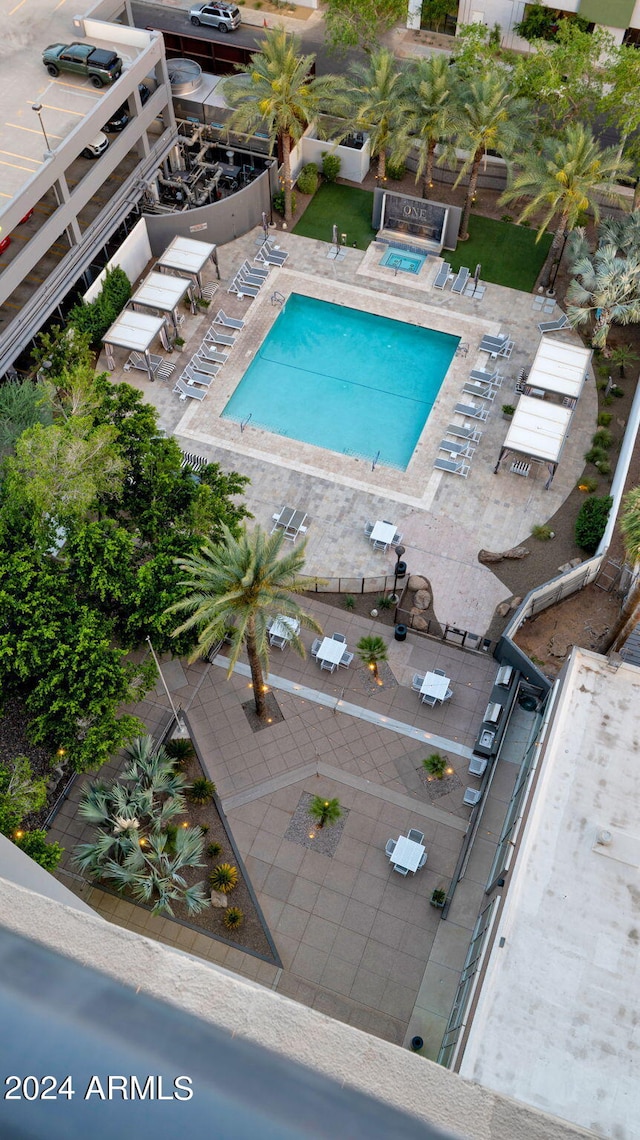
(396, 572)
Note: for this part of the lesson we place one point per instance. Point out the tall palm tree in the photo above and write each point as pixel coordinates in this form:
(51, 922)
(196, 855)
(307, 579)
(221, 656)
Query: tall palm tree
(372, 651)
(605, 288)
(562, 179)
(241, 583)
(425, 111)
(487, 116)
(275, 92)
(375, 91)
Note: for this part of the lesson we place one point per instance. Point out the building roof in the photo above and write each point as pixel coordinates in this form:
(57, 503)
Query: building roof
(559, 367)
(538, 429)
(556, 1023)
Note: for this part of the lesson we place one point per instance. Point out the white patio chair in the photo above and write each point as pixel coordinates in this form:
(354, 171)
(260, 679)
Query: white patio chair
(368, 527)
(346, 660)
(400, 870)
(315, 646)
(428, 700)
(448, 695)
(423, 859)
(339, 637)
(417, 681)
(390, 847)
(330, 666)
(439, 672)
(415, 835)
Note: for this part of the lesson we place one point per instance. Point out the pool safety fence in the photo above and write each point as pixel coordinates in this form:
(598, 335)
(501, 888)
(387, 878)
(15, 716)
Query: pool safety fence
(378, 584)
(464, 638)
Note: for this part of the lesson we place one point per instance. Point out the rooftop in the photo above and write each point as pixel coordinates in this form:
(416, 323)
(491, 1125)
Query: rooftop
(556, 1022)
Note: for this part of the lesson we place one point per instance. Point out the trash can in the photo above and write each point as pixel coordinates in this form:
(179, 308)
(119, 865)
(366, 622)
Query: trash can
(416, 1043)
(401, 633)
(400, 570)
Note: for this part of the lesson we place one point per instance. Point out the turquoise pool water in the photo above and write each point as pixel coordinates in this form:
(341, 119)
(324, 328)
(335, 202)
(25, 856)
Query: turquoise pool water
(403, 260)
(344, 380)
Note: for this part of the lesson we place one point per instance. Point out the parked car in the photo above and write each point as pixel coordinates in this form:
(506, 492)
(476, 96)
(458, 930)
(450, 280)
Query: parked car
(224, 17)
(5, 242)
(102, 67)
(120, 118)
(96, 147)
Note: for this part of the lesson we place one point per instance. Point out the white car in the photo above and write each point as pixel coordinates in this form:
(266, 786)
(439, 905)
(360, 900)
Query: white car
(96, 147)
(224, 17)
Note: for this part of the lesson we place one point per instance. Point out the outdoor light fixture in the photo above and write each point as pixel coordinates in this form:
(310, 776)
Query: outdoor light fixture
(37, 107)
(399, 552)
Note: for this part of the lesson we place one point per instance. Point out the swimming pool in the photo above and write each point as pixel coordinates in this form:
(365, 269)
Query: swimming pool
(403, 259)
(345, 380)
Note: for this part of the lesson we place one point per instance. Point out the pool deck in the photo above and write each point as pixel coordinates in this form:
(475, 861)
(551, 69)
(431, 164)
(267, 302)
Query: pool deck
(444, 520)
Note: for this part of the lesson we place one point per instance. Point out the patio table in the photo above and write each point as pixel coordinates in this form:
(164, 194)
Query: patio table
(407, 854)
(383, 532)
(434, 686)
(284, 627)
(331, 651)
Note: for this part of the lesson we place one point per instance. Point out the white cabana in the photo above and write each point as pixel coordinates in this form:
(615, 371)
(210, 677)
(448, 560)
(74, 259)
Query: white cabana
(538, 430)
(137, 332)
(188, 256)
(560, 368)
(163, 293)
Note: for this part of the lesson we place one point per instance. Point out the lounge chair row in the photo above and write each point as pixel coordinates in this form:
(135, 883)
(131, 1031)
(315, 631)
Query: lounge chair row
(205, 364)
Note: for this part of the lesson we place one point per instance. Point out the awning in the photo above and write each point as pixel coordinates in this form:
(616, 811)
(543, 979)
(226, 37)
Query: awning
(137, 332)
(162, 292)
(187, 255)
(538, 430)
(559, 367)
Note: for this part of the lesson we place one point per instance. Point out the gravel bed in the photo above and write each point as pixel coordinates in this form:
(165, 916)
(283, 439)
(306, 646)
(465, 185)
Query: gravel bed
(305, 831)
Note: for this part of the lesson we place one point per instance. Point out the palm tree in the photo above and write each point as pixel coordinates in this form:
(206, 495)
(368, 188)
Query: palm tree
(563, 178)
(137, 846)
(375, 93)
(242, 583)
(605, 287)
(275, 92)
(324, 811)
(372, 651)
(425, 113)
(487, 116)
(630, 616)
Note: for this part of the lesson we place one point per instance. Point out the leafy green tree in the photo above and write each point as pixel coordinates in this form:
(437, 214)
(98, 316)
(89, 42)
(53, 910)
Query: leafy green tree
(20, 793)
(60, 350)
(564, 179)
(543, 23)
(93, 318)
(564, 79)
(361, 23)
(242, 582)
(136, 846)
(275, 92)
(629, 521)
(374, 92)
(372, 651)
(435, 12)
(324, 811)
(487, 116)
(619, 102)
(23, 403)
(605, 288)
(591, 522)
(428, 94)
(66, 466)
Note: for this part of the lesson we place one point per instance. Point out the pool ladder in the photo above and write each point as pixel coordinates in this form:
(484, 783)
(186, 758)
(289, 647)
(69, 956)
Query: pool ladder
(277, 299)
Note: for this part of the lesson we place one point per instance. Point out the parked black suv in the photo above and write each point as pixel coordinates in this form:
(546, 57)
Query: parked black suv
(120, 118)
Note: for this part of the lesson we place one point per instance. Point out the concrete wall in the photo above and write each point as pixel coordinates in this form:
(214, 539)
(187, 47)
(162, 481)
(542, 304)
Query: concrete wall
(134, 254)
(354, 164)
(218, 222)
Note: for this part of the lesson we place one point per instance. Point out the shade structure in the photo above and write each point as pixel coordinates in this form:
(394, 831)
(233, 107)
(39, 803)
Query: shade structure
(559, 367)
(538, 430)
(137, 332)
(161, 291)
(187, 255)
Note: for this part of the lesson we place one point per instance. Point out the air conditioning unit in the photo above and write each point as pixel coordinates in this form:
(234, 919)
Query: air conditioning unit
(493, 713)
(504, 676)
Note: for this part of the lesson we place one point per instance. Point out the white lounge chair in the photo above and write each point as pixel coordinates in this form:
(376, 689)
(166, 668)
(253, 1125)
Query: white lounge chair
(192, 376)
(554, 326)
(483, 376)
(212, 354)
(261, 271)
(442, 276)
(243, 289)
(473, 411)
(221, 318)
(270, 257)
(220, 338)
(463, 432)
(472, 388)
(453, 467)
(461, 280)
(190, 390)
(246, 276)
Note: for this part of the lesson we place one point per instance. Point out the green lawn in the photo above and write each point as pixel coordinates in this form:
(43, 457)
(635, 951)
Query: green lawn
(344, 206)
(507, 253)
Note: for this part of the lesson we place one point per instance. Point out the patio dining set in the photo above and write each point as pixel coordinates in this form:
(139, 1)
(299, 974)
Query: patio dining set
(382, 534)
(407, 852)
(433, 687)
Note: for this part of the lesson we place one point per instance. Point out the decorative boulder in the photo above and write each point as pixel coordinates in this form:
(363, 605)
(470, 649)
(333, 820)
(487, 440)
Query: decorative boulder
(516, 552)
(422, 600)
(489, 556)
(218, 899)
(503, 609)
(417, 582)
(419, 621)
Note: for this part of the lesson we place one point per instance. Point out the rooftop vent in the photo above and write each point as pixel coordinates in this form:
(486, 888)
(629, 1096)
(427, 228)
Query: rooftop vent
(493, 713)
(504, 676)
(185, 75)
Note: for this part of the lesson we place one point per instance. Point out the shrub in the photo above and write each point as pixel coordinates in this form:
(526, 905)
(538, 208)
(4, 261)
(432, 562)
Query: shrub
(604, 466)
(602, 438)
(204, 827)
(308, 179)
(591, 522)
(508, 409)
(94, 318)
(384, 602)
(439, 897)
(324, 811)
(396, 170)
(181, 750)
(604, 419)
(331, 164)
(588, 484)
(224, 878)
(201, 790)
(436, 765)
(542, 532)
(34, 844)
(506, 218)
(233, 917)
(213, 850)
(278, 202)
(349, 602)
(596, 455)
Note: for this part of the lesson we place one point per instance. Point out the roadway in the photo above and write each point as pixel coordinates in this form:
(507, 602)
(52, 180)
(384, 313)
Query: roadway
(312, 37)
